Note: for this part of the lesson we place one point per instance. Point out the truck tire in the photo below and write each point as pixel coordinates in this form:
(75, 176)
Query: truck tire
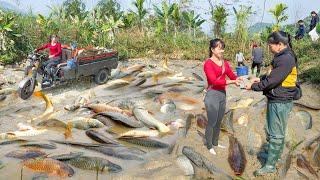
(101, 77)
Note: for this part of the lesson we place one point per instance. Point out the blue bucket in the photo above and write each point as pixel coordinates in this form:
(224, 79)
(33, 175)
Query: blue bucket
(242, 70)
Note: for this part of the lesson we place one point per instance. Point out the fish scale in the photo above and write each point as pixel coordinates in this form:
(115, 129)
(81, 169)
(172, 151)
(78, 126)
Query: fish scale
(50, 166)
(94, 163)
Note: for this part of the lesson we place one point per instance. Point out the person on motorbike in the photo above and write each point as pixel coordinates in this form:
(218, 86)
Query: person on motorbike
(55, 52)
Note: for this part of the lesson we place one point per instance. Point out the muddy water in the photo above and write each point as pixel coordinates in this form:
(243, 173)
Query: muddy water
(14, 110)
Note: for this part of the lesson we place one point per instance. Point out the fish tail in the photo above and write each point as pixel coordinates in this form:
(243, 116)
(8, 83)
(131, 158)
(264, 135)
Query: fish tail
(68, 131)
(38, 94)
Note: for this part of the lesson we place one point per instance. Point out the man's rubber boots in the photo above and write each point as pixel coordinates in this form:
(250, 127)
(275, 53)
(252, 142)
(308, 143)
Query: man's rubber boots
(264, 155)
(273, 156)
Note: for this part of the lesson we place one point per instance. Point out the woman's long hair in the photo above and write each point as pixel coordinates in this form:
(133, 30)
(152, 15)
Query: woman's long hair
(215, 43)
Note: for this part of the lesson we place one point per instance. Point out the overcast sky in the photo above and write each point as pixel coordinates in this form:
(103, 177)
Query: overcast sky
(298, 9)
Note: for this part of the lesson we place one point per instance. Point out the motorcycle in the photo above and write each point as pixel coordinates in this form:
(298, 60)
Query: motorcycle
(35, 72)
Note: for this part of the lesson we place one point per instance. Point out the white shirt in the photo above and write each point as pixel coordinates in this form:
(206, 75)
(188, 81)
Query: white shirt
(239, 57)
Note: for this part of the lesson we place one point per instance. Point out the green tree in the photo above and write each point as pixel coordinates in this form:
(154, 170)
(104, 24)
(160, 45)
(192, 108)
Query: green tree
(278, 12)
(129, 19)
(75, 8)
(141, 12)
(193, 22)
(241, 31)
(164, 14)
(219, 17)
(107, 8)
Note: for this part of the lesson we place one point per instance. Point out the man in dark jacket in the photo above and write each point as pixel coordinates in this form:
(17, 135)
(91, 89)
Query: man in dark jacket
(280, 88)
(257, 58)
(301, 30)
(314, 20)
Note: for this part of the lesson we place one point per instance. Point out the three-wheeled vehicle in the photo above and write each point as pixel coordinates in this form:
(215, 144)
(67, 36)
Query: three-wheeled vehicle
(93, 62)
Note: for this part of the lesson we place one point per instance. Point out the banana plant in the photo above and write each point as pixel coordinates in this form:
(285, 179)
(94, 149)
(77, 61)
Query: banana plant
(193, 22)
(278, 12)
(129, 19)
(141, 12)
(111, 26)
(164, 13)
(7, 23)
(176, 17)
(219, 17)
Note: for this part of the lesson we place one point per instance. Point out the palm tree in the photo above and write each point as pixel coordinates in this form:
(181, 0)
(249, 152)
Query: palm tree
(164, 14)
(219, 17)
(141, 12)
(192, 21)
(278, 14)
(176, 17)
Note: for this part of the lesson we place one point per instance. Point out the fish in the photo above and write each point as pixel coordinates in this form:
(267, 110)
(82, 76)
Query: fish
(254, 141)
(101, 138)
(49, 166)
(142, 115)
(243, 104)
(94, 163)
(153, 93)
(162, 74)
(114, 84)
(26, 153)
(196, 76)
(55, 123)
(3, 97)
(303, 163)
(316, 156)
(40, 176)
(309, 143)
(39, 145)
(109, 150)
(134, 68)
(49, 107)
(178, 97)
(146, 142)
(17, 134)
(168, 107)
(171, 85)
(202, 121)
(236, 157)
(203, 137)
(119, 152)
(202, 162)
(78, 144)
(145, 74)
(13, 142)
(156, 164)
(65, 157)
(243, 120)
(123, 119)
(188, 121)
(104, 120)
(185, 164)
(307, 106)
(72, 107)
(178, 89)
(305, 118)
(286, 166)
(227, 122)
(130, 132)
(138, 82)
(126, 104)
(260, 104)
(7, 91)
(99, 108)
(85, 123)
